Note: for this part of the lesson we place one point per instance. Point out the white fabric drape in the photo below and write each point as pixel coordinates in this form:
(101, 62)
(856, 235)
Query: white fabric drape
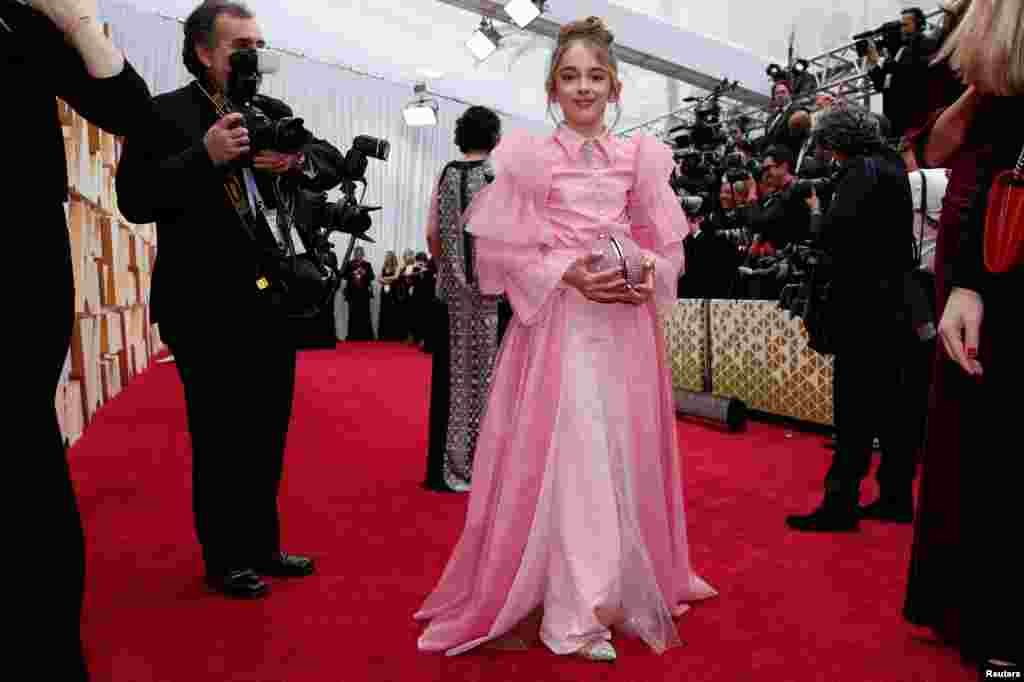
(337, 104)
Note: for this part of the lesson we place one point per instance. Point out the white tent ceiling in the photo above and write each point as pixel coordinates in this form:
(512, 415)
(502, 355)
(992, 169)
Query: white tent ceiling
(412, 40)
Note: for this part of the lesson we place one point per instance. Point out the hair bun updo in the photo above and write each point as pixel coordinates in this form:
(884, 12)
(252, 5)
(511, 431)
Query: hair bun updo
(592, 28)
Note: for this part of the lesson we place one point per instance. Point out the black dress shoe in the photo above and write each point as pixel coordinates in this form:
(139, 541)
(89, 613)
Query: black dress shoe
(287, 566)
(239, 584)
(888, 510)
(826, 519)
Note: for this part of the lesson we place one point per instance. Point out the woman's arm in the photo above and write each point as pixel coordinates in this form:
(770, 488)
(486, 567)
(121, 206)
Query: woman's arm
(86, 68)
(950, 130)
(433, 230)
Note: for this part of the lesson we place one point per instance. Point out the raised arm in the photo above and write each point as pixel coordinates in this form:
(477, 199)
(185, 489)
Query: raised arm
(85, 68)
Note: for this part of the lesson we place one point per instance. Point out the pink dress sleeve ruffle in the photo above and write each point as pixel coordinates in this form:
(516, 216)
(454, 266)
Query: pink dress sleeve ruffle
(515, 249)
(658, 222)
(513, 242)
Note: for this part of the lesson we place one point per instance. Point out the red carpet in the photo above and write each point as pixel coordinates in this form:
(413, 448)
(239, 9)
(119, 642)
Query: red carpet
(793, 608)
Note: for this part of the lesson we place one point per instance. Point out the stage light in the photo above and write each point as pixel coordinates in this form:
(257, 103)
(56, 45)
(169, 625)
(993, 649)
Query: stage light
(524, 11)
(484, 40)
(422, 111)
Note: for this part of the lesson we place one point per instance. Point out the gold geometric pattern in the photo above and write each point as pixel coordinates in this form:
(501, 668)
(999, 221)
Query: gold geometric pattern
(683, 325)
(759, 354)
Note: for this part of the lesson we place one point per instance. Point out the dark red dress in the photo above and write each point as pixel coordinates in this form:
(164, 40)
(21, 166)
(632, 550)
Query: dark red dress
(961, 584)
(937, 531)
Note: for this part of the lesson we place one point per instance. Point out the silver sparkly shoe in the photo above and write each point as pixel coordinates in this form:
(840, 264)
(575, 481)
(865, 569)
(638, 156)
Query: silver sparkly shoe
(602, 652)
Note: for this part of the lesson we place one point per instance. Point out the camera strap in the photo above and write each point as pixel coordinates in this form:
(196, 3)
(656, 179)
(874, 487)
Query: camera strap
(254, 224)
(924, 216)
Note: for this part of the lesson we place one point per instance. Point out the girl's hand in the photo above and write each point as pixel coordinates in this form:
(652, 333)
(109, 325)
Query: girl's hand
(603, 287)
(643, 292)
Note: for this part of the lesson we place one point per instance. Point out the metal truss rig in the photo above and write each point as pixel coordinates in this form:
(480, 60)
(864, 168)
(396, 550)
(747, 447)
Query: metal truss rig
(840, 73)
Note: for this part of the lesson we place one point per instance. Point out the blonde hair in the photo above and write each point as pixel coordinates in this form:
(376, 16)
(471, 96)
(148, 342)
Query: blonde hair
(987, 47)
(592, 33)
(390, 261)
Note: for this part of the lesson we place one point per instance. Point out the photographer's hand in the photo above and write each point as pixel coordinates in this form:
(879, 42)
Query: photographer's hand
(872, 55)
(227, 140)
(813, 203)
(275, 162)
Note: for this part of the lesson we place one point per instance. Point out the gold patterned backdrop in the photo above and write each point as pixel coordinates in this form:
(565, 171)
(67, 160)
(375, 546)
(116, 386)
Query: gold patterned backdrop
(759, 354)
(685, 335)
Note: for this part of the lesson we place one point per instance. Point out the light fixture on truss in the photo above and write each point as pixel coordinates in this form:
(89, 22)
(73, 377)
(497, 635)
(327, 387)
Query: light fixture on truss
(524, 11)
(423, 110)
(484, 41)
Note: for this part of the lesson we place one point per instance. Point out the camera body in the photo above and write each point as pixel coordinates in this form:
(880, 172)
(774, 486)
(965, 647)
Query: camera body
(693, 205)
(736, 167)
(888, 37)
(824, 187)
(270, 123)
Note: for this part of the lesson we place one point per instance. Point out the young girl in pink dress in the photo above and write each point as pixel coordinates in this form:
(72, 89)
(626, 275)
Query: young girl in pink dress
(577, 506)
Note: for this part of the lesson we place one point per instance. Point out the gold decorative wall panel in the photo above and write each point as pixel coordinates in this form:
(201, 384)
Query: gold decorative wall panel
(759, 354)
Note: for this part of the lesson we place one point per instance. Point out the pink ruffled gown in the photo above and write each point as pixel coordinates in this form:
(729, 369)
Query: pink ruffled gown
(577, 500)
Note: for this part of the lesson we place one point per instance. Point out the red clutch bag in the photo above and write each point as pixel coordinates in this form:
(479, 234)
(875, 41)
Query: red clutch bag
(1004, 220)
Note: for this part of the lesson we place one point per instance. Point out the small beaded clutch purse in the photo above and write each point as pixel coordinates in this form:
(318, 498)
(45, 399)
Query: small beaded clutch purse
(620, 253)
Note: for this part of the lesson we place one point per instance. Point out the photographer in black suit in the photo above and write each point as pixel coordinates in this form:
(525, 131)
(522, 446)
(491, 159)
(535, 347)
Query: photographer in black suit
(782, 217)
(50, 49)
(903, 77)
(215, 298)
(867, 234)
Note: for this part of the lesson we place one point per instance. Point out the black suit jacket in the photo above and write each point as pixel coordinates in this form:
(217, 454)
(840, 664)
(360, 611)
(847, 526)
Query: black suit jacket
(868, 230)
(207, 264)
(782, 217)
(904, 85)
(779, 133)
(36, 66)
(205, 259)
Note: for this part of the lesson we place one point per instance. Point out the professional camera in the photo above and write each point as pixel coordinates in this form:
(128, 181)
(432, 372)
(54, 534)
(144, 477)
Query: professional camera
(807, 268)
(824, 187)
(269, 122)
(348, 214)
(736, 168)
(693, 205)
(706, 132)
(317, 272)
(888, 36)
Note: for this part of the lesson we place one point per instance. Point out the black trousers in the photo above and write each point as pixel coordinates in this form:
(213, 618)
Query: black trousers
(53, 544)
(440, 398)
(239, 381)
(873, 399)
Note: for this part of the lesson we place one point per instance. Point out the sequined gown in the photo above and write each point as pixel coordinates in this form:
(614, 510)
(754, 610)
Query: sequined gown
(472, 333)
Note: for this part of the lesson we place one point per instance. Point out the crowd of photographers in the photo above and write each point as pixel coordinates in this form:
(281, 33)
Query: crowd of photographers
(823, 214)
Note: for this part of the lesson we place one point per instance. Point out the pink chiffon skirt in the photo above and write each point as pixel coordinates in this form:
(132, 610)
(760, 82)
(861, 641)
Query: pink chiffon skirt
(576, 506)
